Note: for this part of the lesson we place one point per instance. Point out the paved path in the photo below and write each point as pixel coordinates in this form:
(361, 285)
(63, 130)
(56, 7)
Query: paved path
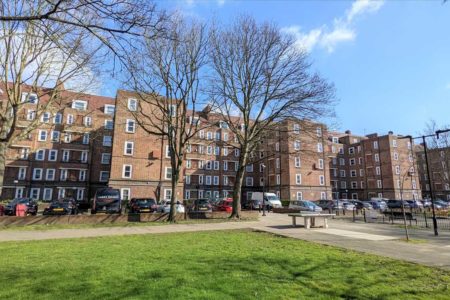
(380, 239)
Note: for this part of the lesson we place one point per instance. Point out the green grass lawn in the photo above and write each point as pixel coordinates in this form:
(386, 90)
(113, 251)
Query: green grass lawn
(207, 265)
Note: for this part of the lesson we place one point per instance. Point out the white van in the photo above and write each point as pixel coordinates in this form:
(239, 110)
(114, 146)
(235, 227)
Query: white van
(271, 199)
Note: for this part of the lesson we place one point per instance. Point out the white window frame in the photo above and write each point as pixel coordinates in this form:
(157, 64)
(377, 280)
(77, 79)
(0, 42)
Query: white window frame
(50, 152)
(22, 173)
(65, 156)
(126, 148)
(101, 177)
(48, 173)
(86, 138)
(125, 193)
(127, 126)
(33, 191)
(84, 156)
(57, 118)
(132, 104)
(107, 127)
(106, 159)
(40, 137)
(47, 194)
(34, 177)
(82, 102)
(63, 175)
(107, 107)
(26, 98)
(38, 154)
(55, 136)
(82, 175)
(105, 142)
(166, 173)
(124, 171)
(298, 179)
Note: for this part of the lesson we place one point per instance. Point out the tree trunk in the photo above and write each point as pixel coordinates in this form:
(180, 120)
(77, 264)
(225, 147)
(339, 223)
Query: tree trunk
(172, 212)
(236, 213)
(3, 148)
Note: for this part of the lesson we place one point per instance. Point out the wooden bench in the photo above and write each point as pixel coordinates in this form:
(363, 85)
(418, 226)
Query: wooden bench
(310, 219)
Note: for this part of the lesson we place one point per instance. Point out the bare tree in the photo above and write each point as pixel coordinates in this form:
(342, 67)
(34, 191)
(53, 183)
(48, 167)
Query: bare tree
(260, 76)
(167, 76)
(35, 62)
(439, 153)
(117, 24)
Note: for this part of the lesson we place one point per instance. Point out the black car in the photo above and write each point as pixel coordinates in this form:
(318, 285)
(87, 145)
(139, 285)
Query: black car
(397, 204)
(65, 206)
(32, 206)
(253, 204)
(142, 205)
(361, 204)
(201, 205)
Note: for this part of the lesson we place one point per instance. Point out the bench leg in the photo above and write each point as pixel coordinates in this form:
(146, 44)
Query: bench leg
(307, 223)
(294, 223)
(313, 222)
(325, 223)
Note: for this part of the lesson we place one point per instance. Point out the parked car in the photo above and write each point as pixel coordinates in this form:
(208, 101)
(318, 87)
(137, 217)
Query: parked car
(164, 207)
(106, 200)
(361, 204)
(271, 200)
(304, 205)
(225, 205)
(347, 205)
(252, 204)
(397, 204)
(142, 205)
(32, 206)
(64, 206)
(441, 203)
(426, 203)
(378, 204)
(332, 204)
(201, 205)
(415, 203)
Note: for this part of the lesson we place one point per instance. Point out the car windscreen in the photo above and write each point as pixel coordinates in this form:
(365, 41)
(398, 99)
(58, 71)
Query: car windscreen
(145, 202)
(271, 197)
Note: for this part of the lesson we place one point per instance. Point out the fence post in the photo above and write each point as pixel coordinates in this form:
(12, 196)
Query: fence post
(354, 217)
(365, 220)
(410, 216)
(392, 216)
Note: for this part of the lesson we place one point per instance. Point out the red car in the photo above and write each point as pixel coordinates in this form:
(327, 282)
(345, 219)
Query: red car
(226, 205)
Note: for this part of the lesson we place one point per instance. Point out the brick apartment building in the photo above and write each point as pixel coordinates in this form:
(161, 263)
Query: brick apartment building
(140, 163)
(296, 160)
(68, 153)
(369, 166)
(84, 142)
(439, 161)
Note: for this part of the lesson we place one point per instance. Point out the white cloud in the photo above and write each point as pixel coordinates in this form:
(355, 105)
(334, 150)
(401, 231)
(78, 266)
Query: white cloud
(330, 40)
(342, 30)
(362, 6)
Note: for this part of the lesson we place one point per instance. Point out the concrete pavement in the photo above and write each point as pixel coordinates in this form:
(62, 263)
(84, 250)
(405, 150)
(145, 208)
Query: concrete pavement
(381, 239)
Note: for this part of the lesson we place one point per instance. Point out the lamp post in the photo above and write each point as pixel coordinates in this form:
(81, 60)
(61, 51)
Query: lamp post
(423, 137)
(264, 192)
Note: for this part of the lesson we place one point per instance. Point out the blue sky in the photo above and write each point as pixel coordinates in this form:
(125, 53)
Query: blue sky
(389, 61)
